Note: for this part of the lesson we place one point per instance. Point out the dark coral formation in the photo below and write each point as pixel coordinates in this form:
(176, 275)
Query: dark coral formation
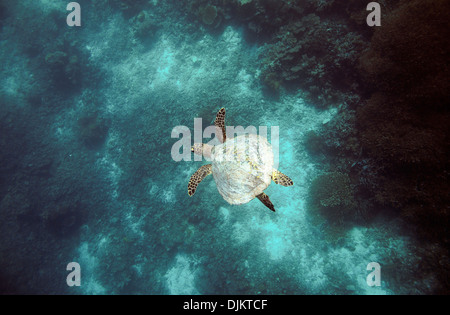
(392, 137)
(145, 26)
(64, 219)
(318, 55)
(64, 69)
(208, 14)
(404, 126)
(332, 196)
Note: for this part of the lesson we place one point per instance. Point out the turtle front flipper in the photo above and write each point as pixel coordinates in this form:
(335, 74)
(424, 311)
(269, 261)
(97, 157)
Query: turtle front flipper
(266, 201)
(197, 177)
(220, 125)
(281, 179)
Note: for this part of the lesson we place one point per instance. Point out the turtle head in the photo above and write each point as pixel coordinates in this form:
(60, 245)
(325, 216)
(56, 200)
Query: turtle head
(202, 149)
(197, 148)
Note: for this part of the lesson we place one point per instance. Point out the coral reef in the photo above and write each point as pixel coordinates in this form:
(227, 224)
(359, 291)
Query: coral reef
(404, 127)
(65, 69)
(332, 196)
(208, 14)
(145, 26)
(318, 54)
(272, 82)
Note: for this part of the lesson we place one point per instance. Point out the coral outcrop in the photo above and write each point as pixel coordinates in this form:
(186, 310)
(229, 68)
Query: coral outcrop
(404, 125)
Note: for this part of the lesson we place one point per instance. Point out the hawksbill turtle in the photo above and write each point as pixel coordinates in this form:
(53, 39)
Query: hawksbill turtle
(242, 167)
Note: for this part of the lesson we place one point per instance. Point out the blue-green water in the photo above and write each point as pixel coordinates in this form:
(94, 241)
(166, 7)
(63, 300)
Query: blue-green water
(94, 143)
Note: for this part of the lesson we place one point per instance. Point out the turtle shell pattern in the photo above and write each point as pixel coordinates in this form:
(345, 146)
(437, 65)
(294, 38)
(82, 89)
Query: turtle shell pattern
(242, 167)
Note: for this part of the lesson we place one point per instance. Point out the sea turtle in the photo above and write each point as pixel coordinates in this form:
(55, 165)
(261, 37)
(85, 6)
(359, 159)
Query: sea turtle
(242, 167)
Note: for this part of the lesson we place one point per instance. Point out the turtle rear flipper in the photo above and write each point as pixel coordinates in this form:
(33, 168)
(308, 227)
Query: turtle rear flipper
(197, 177)
(281, 179)
(266, 201)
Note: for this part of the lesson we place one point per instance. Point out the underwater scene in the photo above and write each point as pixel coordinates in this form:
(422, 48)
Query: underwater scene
(121, 170)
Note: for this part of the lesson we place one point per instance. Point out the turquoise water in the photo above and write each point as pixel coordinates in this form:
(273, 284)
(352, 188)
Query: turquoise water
(140, 232)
